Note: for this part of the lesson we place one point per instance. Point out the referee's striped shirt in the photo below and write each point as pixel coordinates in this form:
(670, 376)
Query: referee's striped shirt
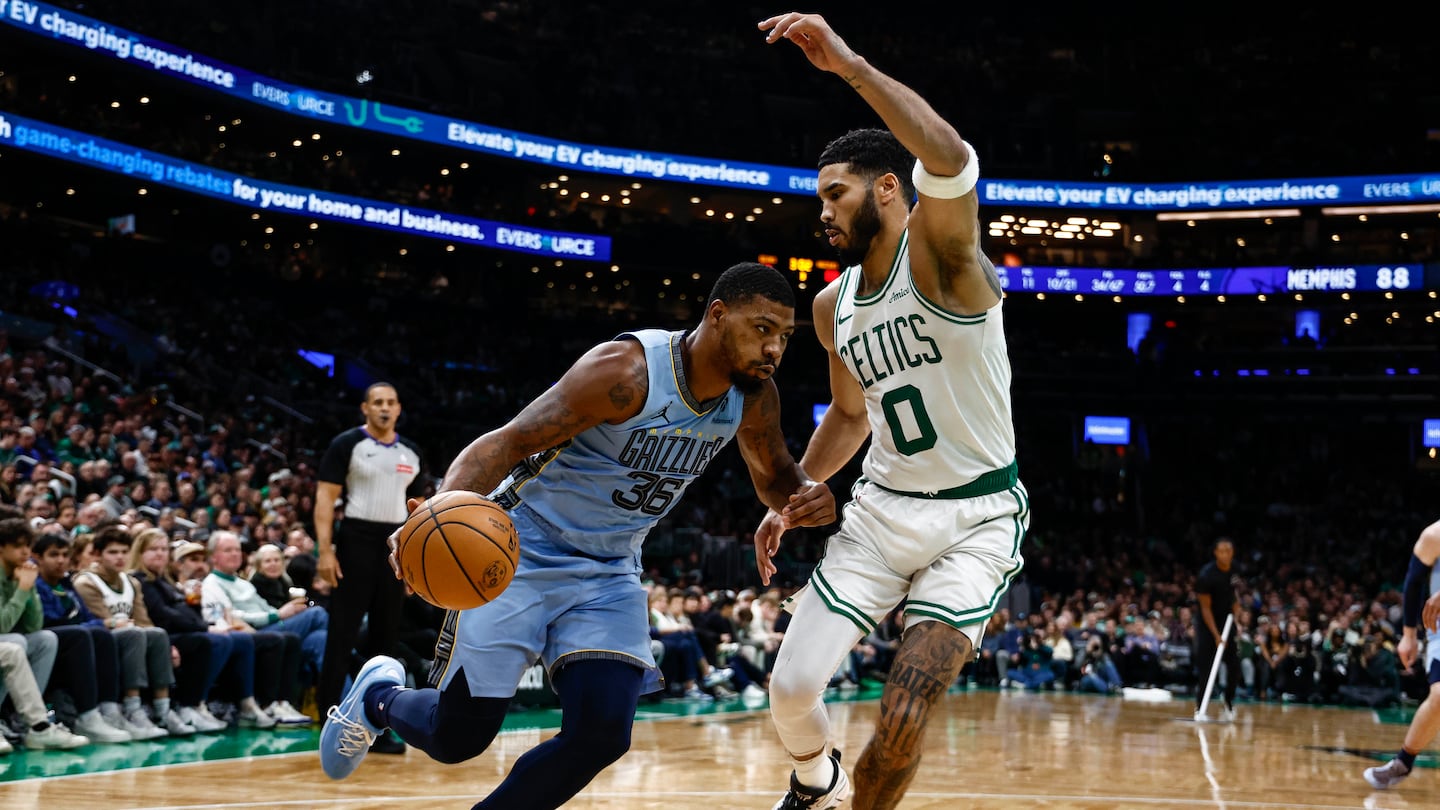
(375, 476)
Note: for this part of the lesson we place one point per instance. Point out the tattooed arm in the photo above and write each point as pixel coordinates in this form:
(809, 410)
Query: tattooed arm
(608, 384)
(779, 480)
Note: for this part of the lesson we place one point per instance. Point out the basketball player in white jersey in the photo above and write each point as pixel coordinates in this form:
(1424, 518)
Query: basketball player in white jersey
(918, 364)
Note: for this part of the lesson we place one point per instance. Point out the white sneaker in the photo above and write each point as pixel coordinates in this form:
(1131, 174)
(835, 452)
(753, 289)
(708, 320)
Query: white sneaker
(138, 724)
(55, 735)
(801, 797)
(176, 726)
(754, 691)
(286, 715)
(718, 676)
(1227, 715)
(254, 716)
(201, 718)
(5, 746)
(92, 725)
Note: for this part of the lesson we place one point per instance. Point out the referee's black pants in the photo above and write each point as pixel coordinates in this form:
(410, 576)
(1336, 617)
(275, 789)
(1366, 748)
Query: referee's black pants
(368, 585)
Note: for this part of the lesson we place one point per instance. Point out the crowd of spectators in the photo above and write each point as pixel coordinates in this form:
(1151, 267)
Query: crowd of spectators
(166, 400)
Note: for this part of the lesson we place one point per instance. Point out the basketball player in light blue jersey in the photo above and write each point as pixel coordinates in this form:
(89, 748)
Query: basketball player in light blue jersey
(586, 470)
(1422, 577)
(918, 364)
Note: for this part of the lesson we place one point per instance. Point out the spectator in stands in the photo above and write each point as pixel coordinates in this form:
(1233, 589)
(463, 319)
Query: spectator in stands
(87, 662)
(27, 651)
(202, 654)
(19, 680)
(229, 598)
(146, 656)
(270, 578)
(257, 659)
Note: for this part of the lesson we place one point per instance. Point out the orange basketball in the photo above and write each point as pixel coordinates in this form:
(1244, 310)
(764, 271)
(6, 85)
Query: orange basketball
(458, 550)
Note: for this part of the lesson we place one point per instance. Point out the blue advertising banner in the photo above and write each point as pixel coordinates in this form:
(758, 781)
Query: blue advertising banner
(78, 30)
(1214, 280)
(70, 28)
(262, 195)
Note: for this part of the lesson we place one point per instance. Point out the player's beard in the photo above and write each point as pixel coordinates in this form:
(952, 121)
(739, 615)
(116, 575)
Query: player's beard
(739, 377)
(863, 230)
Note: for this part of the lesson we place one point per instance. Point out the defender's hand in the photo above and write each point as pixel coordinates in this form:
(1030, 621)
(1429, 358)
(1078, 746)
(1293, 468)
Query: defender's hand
(811, 505)
(767, 542)
(822, 46)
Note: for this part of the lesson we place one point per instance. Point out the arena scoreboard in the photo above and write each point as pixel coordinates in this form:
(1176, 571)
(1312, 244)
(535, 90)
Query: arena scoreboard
(1220, 280)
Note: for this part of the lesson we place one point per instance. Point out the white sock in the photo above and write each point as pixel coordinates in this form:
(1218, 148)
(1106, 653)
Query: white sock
(162, 707)
(109, 707)
(817, 772)
(132, 704)
(91, 716)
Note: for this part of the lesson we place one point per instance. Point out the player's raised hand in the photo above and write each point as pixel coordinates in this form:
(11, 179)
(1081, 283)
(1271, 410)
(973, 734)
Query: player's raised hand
(811, 505)
(767, 542)
(822, 46)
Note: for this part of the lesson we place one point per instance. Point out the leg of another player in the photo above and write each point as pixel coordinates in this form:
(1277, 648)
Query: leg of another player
(1426, 723)
(597, 711)
(930, 658)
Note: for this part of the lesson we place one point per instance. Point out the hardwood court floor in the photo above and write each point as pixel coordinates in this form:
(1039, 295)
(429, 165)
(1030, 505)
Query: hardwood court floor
(985, 749)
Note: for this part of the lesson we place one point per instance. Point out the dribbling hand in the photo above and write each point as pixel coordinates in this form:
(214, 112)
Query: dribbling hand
(393, 541)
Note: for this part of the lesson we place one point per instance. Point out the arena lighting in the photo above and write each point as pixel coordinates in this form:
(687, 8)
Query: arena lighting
(1350, 210)
(1182, 216)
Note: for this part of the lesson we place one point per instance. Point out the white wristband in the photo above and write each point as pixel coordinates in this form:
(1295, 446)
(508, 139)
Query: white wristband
(948, 188)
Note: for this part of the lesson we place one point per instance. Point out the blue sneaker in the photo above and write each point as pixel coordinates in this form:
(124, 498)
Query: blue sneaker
(347, 734)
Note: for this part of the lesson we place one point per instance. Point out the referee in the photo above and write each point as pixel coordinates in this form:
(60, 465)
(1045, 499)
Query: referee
(375, 468)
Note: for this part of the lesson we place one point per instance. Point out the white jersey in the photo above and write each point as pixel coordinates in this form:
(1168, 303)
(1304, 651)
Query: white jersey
(117, 602)
(937, 386)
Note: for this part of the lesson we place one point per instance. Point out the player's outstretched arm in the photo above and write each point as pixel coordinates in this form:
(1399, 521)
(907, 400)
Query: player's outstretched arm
(608, 384)
(781, 483)
(928, 136)
(944, 224)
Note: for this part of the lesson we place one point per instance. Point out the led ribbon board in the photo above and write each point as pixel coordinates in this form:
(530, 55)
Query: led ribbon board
(100, 37)
(1216, 280)
(78, 30)
(100, 153)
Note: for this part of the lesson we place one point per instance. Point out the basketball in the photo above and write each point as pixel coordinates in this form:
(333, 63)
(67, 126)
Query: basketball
(458, 550)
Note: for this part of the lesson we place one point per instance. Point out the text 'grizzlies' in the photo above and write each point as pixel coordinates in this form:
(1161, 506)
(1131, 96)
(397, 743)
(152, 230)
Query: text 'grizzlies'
(671, 453)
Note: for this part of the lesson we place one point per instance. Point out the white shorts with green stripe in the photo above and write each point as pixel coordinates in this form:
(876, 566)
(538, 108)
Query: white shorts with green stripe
(952, 560)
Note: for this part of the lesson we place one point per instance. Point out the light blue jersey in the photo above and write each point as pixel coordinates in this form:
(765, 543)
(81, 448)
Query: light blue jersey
(602, 492)
(1432, 638)
(581, 511)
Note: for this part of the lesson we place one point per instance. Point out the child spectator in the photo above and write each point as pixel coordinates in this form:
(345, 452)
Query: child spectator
(145, 651)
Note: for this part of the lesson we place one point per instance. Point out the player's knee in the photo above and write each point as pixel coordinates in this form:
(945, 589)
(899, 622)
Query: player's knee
(600, 749)
(793, 690)
(454, 745)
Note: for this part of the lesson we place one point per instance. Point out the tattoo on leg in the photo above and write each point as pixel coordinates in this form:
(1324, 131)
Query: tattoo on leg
(930, 657)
